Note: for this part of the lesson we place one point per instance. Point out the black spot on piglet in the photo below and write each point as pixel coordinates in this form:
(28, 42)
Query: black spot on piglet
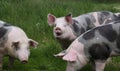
(108, 32)
(2, 32)
(6, 24)
(99, 51)
(89, 35)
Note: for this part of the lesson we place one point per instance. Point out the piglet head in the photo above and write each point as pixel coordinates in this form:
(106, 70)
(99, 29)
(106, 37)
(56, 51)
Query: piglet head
(61, 25)
(22, 49)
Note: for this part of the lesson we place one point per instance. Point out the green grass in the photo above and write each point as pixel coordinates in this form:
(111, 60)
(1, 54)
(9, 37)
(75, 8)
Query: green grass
(31, 16)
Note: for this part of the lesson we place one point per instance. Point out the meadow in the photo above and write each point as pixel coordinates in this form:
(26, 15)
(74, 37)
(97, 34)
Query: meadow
(31, 16)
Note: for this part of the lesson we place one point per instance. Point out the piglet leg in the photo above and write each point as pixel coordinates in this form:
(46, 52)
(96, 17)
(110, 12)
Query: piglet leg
(1, 61)
(100, 65)
(70, 66)
(11, 62)
(74, 66)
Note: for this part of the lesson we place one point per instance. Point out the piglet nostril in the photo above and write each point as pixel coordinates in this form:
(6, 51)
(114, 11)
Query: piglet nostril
(24, 61)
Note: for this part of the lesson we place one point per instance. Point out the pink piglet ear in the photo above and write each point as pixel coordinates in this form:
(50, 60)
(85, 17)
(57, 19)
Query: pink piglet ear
(51, 19)
(71, 56)
(68, 18)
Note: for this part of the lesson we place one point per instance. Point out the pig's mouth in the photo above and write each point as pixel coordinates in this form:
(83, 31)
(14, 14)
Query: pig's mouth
(58, 33)
(24, 61)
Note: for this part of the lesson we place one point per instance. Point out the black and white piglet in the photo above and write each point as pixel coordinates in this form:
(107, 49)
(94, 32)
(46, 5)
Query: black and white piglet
(68, 28)
(95, 45)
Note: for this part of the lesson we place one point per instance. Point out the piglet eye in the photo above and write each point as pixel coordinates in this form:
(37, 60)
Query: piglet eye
(65, 25)
(54, 25)
(16, 48)
(15, 45)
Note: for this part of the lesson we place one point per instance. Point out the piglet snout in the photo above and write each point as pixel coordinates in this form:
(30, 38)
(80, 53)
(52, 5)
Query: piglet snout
(58, 31)
(24, 60)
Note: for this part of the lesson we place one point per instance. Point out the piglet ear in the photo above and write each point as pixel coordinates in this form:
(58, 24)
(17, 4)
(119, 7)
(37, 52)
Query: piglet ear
(33, 43)
(51, 19)
(71, 56)
(61, 54)
(68, 18)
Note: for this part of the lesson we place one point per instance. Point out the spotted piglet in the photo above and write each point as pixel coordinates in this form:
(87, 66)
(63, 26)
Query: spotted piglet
(68, 28)
(95, 46)
(14, 43)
